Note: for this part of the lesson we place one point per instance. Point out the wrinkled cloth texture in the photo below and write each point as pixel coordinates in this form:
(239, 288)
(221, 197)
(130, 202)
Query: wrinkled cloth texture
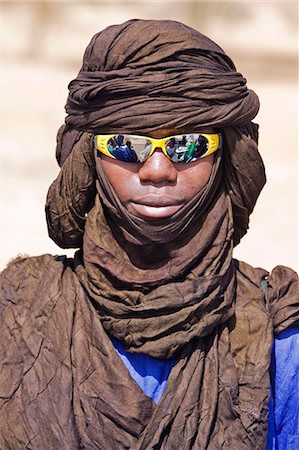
(62, 384)
(172, 78)
(164, 290)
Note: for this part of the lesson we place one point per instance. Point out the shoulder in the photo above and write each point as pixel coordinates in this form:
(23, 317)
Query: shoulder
(38, 301)
(33, 285)
(283, 296)
(279, 289)
(38, 297)
(32, 264)
(24, 276)
(281, 278)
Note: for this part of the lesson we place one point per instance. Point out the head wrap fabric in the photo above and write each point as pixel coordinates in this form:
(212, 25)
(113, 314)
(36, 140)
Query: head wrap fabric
(126, 259)
(174, 77)
(168, 289)
(72, 194)
(190, 299)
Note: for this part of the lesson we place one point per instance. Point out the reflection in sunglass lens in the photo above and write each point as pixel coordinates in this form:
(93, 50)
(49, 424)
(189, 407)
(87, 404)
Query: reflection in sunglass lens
(121, 149)
(129, 148)
(141, 146)
(181, 148)
(186, 148)
(202, 146)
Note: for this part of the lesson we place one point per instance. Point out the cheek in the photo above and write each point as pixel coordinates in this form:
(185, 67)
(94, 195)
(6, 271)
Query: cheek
(194, 178)
(123, 179)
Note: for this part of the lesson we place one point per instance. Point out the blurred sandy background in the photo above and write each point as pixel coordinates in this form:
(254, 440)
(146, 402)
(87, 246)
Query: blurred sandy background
(42, 48)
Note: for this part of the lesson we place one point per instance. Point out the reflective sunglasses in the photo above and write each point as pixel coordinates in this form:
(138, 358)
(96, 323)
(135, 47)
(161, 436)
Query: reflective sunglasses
(179, 148)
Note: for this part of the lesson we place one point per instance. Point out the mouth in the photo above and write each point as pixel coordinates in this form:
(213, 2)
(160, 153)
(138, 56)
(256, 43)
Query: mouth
(154, 206)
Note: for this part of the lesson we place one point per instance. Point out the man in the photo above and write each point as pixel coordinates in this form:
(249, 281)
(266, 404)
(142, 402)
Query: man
(153, 336)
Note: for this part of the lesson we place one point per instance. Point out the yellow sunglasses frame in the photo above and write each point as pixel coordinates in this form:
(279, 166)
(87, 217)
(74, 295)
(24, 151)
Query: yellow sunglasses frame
(101, 141)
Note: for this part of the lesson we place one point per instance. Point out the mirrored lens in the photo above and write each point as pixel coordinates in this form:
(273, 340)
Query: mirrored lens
(129, 148)
(187, 148)
(181, 148)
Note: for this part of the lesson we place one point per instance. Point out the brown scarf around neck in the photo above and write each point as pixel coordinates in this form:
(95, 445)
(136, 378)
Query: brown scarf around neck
(63, 385)
(158, 309)
(193, 302)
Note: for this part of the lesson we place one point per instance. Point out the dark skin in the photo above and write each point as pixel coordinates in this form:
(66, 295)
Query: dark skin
(157, 188)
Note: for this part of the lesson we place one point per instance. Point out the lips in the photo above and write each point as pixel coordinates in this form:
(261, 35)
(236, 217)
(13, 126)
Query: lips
(158, 200)
(155, 206)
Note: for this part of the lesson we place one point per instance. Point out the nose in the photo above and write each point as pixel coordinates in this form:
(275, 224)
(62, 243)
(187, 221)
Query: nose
(158, 169)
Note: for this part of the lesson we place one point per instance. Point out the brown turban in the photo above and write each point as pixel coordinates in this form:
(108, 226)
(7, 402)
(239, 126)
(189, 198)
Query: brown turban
(142, 76)
(166, 290)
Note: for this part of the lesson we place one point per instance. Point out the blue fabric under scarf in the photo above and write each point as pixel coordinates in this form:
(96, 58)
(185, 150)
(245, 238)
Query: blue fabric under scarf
(283, 433)
(149, 373)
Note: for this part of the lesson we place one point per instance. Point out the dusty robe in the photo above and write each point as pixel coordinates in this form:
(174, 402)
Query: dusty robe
(169, 289)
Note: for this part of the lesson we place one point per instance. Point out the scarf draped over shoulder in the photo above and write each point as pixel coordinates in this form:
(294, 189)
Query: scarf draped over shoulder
(166, 290)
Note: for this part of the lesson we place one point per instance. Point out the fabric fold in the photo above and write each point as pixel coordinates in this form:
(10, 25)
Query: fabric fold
(216, 393)
(166, 289)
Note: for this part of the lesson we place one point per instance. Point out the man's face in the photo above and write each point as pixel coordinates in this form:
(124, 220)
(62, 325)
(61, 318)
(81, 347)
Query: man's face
(157, 188)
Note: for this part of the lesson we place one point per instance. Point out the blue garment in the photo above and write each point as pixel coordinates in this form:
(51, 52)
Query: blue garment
(149, 373)
(283, 434)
